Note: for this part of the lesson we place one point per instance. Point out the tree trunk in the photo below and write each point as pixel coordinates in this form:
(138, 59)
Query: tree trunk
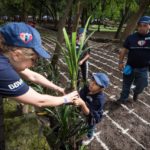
(99, 26)
(2, 137)
(77, 18)
(60, 38)
(132, 22)
(101, 18)
(69, 22)
(124, 16)
(40, 13)
(84, 17)
(23, 18)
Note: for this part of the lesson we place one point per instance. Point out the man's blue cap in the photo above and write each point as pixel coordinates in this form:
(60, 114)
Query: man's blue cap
(23, 35)
(144, 19)
(101, 79)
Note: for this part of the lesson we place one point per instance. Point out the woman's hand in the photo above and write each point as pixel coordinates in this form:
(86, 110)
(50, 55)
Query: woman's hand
(71, 96)
(61, 90)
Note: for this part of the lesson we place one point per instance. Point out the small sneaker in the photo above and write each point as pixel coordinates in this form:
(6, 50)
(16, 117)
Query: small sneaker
(87, 141)
(135, 97)
(90, 132)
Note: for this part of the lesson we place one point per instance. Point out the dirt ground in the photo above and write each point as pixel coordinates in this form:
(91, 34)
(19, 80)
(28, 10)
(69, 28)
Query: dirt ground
(125, 126)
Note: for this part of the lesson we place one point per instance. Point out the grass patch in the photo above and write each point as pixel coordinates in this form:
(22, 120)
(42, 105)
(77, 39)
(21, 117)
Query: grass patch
(102, 28)
(22, 132)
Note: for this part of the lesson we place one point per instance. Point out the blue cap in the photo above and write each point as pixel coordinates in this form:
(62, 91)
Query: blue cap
(101, 79)
(80, 30)
(23, 35)
(144, 19)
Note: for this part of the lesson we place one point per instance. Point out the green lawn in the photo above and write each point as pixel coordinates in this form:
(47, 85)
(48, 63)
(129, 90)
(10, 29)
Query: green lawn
(22, 131)
(107, 29)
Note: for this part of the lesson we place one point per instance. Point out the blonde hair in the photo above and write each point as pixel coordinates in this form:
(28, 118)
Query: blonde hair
(4, 48)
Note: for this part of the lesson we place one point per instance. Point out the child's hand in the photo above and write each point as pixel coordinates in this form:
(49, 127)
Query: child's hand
(78, 102)
(80, 62)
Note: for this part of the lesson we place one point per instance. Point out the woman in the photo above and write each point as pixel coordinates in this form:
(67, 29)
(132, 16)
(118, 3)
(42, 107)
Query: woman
(20, 47)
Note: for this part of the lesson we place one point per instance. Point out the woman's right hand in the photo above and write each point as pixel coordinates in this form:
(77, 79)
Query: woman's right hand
(71, 96)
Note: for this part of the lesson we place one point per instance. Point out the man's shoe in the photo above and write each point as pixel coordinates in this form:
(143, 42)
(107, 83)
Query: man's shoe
(121, 101)
(135, 97)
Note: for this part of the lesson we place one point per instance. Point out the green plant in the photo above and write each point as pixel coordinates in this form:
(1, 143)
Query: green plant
(67, 127)
(71, 55)
(45, 68)
(67, 124)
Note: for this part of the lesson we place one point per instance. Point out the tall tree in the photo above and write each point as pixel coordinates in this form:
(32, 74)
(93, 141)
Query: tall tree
(60, 37)
(126, 8)
(78, 14)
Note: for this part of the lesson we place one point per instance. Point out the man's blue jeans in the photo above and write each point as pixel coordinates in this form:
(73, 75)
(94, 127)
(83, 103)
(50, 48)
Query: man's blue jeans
(139, 77)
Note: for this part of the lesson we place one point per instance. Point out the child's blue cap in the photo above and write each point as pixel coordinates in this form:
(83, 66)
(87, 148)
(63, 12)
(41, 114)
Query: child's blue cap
(101, 79)
(81, 30)
(23, 35)
(144, 19)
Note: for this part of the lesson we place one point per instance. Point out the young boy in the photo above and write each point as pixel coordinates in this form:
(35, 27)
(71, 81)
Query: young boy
(92, 100)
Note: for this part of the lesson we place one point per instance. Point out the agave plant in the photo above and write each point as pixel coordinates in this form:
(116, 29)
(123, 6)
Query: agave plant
(66, 129)
(67, 124)
(71, 55)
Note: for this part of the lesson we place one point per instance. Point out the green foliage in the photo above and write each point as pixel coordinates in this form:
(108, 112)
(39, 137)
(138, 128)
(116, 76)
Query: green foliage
(67, 127)
(45, 68)
(112, 8)
(67, 124)
(22, 132)
(72, 56)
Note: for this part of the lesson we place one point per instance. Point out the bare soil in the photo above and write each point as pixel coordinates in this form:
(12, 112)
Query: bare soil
(124, 127)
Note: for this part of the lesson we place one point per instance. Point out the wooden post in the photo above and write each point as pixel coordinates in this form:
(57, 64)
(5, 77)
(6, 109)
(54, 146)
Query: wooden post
(2, 138)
